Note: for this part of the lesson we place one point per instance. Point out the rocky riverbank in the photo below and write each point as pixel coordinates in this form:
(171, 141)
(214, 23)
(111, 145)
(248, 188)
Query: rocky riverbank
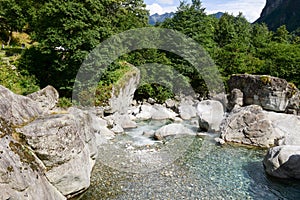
(45, 150)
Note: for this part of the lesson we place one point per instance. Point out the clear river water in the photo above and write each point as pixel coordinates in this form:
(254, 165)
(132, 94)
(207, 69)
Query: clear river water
(198, 169)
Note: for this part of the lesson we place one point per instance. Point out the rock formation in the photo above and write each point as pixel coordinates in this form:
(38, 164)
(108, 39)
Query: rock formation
(44, 155)
(283, 161)
(271, 93)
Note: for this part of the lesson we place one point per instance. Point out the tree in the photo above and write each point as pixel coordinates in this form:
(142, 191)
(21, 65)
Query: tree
(68, 30)
(12, 17)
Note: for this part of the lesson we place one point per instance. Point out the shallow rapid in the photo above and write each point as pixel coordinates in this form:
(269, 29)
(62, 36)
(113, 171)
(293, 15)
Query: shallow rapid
(131, 167)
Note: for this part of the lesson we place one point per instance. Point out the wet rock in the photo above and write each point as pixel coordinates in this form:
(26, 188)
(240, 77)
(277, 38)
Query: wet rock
(219, 141)
(283, 161)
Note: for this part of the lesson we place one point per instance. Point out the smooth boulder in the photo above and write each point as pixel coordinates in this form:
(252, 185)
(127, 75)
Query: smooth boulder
(283, 161)
(211, 114)
(172, 130)
(155, 112)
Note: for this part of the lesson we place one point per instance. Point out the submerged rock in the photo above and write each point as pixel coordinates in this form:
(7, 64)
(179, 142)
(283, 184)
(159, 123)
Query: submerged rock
(283, 161)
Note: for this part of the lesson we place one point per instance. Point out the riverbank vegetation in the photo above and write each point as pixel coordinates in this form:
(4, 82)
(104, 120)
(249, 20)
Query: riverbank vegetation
(62, 33)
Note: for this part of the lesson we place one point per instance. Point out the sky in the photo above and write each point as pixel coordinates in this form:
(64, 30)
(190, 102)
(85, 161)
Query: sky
(250, 9)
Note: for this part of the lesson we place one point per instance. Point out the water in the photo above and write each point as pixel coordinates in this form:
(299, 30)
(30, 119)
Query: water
(204, 171)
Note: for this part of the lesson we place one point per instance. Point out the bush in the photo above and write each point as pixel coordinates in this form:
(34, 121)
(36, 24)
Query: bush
(64, 102)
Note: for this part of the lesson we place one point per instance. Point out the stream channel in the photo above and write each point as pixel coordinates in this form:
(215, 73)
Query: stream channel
(133, 166)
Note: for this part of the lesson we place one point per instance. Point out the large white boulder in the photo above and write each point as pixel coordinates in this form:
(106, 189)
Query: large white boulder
(172, 130)
(211, 114)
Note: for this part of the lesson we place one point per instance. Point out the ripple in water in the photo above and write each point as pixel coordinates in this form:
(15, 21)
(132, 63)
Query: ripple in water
(204, 171)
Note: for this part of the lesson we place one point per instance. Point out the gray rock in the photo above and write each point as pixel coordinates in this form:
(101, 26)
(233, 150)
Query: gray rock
(21, 172)
(156, 112)
(235, 99)
(66, 144)
(187, 111)
(249, 125)
(123, 120)
(294, 106)
(172, 130)
(285, 125)
(117, 129)
(47, 97)
(253, 126)
(122, 94)
(211, 114)
(283, 161)
(151, 100)
(269, 92)
(149, 133)
(219, 141)
(17, 109)
(170, 103)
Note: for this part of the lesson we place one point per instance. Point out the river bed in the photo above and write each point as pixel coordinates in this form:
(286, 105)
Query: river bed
(135, 167)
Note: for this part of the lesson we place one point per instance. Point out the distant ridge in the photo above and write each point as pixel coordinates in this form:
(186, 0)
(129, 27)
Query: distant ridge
(217, 15)
(156, 18)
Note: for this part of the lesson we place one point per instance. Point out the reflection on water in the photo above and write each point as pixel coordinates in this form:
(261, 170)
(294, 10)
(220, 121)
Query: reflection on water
(204, 171)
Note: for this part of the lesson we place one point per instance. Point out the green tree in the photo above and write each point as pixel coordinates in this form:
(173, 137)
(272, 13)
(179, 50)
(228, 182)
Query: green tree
(68, 30)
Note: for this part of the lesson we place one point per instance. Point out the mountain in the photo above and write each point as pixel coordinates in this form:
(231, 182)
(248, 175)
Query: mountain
(280, 12)
(153, 19)
(217, 15)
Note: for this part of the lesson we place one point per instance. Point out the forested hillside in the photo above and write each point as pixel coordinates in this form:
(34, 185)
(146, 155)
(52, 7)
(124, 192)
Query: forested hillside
(76, 27)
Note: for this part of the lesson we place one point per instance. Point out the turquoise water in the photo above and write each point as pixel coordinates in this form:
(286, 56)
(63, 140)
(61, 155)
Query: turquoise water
(204, 171)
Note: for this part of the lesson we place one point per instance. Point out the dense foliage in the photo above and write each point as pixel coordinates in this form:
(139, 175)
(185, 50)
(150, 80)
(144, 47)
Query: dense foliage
(66, 31)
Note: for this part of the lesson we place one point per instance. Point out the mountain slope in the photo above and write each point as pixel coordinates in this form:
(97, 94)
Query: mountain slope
(153, 19)
(280, 12)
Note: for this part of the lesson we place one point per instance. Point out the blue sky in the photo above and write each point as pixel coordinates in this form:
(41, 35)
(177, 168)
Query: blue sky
(250, 9)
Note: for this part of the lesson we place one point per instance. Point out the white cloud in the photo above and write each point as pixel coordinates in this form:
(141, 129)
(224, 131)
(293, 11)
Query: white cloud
(156, 8)
(251, 10)
(166, 2)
